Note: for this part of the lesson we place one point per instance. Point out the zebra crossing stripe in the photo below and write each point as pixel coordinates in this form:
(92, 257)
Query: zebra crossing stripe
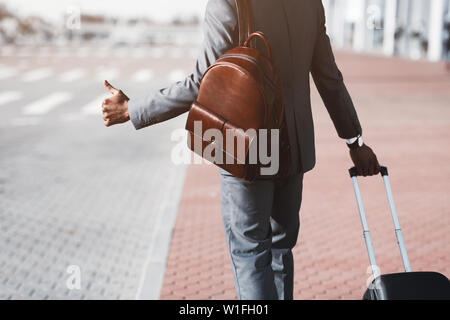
(47, 103)
(72, 75)
(107, 74)
(10, 96)
(95, 106)
(37, 74)
(143, 75)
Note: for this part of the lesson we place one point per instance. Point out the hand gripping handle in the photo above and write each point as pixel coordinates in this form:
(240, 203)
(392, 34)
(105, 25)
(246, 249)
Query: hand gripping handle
(354, 173)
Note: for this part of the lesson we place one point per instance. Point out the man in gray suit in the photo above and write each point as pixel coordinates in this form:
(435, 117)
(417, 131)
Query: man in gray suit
(261, 218)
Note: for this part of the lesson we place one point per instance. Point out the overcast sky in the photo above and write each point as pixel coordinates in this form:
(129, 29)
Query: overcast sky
(158, 10)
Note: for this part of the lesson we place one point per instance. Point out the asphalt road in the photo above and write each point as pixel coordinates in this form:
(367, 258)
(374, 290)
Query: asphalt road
(81, 203)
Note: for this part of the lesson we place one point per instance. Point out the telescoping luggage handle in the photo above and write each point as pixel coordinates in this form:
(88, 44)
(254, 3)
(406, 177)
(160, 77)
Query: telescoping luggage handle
(367, 238)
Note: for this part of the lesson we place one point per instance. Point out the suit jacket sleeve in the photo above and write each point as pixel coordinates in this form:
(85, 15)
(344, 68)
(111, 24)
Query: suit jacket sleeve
(330, 84)
(220, 30)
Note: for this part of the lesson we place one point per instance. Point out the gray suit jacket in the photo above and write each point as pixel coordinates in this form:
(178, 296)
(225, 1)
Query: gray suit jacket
(300, 45)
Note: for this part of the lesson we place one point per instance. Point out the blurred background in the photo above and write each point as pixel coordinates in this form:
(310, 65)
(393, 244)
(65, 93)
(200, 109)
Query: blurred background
(413, 29)
(416, 29)
(93, 213)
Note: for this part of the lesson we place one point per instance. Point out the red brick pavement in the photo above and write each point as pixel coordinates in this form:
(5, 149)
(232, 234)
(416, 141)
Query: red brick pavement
(405, 112)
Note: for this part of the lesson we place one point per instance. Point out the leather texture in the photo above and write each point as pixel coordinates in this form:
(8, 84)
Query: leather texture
(246, 24)
(409, 286)
(301, 47)
(231, 158)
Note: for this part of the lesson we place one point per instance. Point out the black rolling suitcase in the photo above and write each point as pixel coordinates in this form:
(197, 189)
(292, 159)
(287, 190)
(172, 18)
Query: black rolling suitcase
(398, 286)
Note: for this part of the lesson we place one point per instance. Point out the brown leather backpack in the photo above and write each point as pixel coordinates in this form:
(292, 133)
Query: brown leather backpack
(240, 94)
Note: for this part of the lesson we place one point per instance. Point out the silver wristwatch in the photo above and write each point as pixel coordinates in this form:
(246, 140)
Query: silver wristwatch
(355, 142)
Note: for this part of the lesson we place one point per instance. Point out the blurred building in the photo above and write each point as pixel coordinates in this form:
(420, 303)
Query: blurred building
(416, 29)
(77, 27)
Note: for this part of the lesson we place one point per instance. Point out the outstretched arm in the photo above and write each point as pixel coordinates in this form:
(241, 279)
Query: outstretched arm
(220, 30)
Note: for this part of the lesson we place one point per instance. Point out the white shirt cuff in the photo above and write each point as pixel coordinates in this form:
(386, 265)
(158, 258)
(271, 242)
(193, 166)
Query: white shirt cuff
(352, 140)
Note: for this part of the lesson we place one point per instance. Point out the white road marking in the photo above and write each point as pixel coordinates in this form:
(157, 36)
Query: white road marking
(107, 74)
(25, 121)
(95, 106)
(177, 75)
(143, 75)
(7, 72)
(47, 103)
(10, 96)
(72, 75)
(37, 74)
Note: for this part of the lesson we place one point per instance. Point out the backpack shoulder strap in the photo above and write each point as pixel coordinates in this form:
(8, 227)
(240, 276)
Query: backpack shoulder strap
(245, 20)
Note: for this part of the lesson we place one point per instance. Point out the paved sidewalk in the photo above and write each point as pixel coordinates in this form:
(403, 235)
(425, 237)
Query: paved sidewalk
(405, 112)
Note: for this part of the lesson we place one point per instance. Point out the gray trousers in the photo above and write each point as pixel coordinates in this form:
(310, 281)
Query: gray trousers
(261, 222)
